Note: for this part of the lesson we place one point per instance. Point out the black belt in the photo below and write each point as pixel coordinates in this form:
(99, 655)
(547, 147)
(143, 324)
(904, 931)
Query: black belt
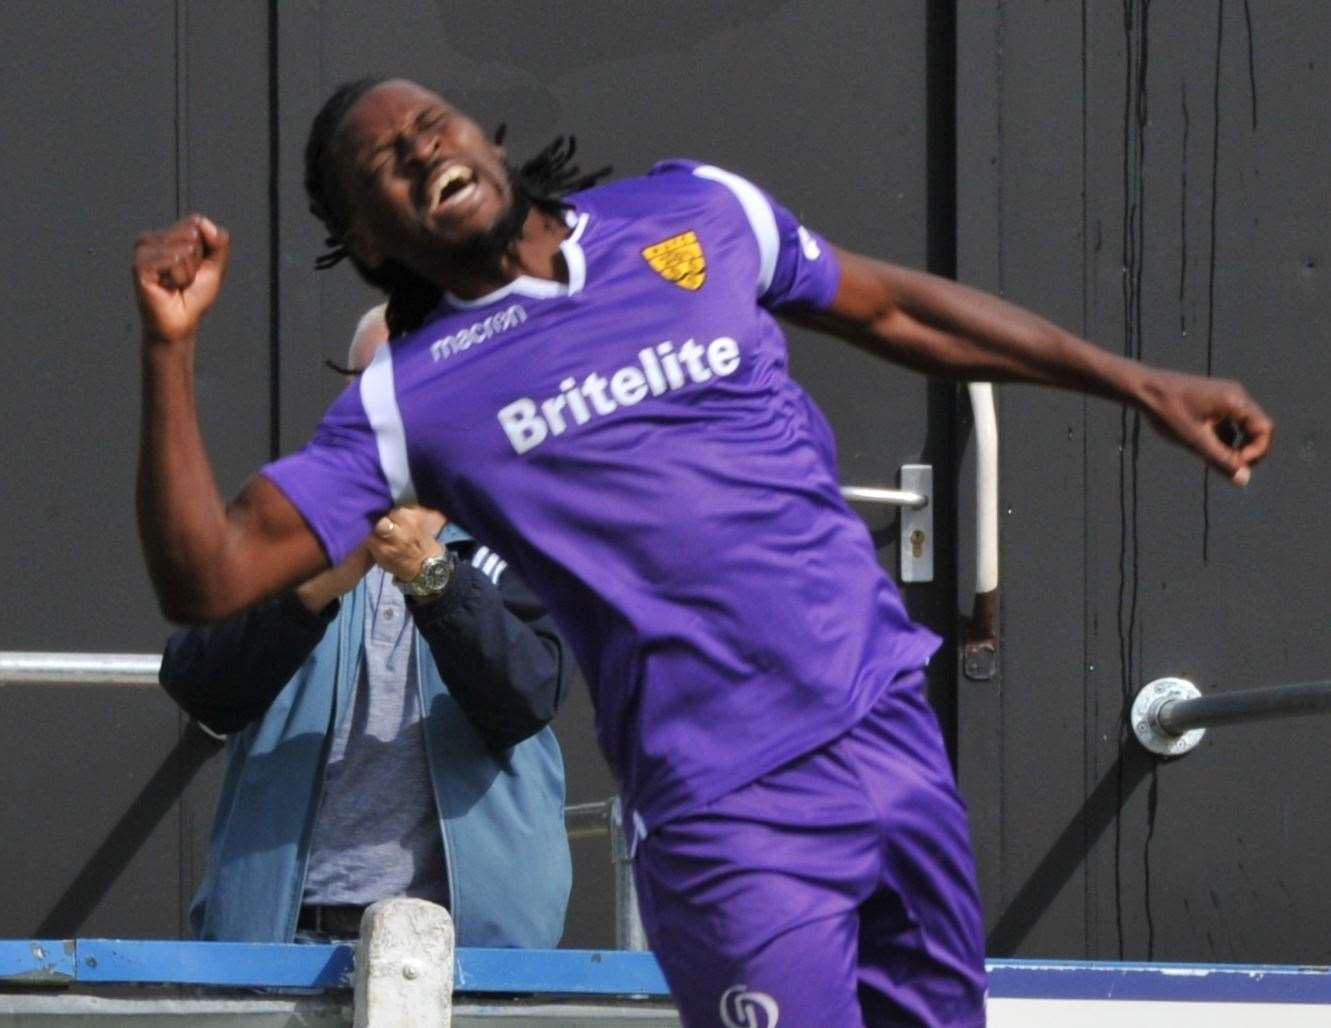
(339, 921)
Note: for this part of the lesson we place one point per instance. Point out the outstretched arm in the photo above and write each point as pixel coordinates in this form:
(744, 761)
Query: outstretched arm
(939, 326)
(206, 559)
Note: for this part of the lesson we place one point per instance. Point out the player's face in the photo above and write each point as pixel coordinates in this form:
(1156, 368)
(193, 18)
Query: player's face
(419, 178)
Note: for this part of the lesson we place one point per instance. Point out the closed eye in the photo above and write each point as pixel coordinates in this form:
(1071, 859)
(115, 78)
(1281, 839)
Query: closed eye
(430, 118)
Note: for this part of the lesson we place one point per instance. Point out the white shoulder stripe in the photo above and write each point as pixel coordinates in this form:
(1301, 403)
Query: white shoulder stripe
(488, 563)
(380, 401)
(759, 213)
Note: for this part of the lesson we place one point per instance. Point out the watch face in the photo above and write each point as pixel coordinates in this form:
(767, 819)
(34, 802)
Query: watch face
(435, 573)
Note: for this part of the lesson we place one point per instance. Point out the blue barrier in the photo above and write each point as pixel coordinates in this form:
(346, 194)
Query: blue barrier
(605, 972)
(37, 961)
(317, 966)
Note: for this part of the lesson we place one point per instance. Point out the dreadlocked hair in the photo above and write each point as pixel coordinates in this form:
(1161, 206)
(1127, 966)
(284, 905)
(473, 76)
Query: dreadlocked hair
(541, 183)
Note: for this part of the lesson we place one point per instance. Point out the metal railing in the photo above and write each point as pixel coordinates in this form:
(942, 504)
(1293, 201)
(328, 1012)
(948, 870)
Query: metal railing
(590, 819)
(1170, 715)
(583, 820)
(79, 668)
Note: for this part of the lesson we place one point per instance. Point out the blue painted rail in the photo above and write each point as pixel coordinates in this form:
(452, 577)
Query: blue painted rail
(301, 966)
(56, 962)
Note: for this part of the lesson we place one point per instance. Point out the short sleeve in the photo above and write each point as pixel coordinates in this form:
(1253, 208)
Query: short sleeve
(796, 267)
(336, 481)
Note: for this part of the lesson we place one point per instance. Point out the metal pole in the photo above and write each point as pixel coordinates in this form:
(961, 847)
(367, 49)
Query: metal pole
(1170, 715)
(629, 933)
(584, 820)
(986, 486)
(79, 668)
(979, 651)
(581, 819)
(1246, 705)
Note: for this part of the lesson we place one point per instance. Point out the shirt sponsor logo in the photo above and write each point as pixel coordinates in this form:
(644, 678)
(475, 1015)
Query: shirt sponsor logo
(472, 335)
(658, 370)
(680, 260)
(742, 1007)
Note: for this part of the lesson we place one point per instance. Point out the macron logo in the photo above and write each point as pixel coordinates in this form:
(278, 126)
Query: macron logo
(466, 338)
(660, 369)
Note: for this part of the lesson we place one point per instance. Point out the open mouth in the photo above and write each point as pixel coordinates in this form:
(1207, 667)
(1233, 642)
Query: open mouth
(450, 187)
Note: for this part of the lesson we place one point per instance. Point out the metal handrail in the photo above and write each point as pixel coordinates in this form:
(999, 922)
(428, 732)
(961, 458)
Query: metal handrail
(1246, 706)
(582, 820)
(17, 668)
(979, 650)
(986, 486)
(1170, 715)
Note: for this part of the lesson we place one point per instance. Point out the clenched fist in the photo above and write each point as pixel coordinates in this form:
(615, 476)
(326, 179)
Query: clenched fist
(178, 273)
(403, 538)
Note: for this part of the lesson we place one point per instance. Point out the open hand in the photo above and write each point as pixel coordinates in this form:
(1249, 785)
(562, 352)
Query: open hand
(1199, 412)
(178, 273)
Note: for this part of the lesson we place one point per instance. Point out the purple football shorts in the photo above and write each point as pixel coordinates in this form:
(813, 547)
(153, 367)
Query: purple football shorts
(838, 890)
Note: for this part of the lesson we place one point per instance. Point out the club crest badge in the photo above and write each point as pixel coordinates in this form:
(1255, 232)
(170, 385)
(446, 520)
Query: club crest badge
(680, 260)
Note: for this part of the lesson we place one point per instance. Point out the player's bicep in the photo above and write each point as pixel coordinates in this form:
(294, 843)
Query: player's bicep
(872, 308)
(865, 295)
(866, 300)
(270, 547)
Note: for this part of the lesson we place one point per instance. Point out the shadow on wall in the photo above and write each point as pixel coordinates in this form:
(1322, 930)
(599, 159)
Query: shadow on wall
(108, 861)
(1069, 850)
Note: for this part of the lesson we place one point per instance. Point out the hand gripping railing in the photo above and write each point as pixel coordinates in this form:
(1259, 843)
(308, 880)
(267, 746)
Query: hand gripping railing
(1170, 715)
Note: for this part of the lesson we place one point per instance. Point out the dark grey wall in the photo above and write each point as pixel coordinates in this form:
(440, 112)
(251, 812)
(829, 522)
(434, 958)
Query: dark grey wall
(1155, 181)
(103, 106)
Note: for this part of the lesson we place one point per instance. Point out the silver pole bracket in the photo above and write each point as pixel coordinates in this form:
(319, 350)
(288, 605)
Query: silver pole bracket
(1146, 708)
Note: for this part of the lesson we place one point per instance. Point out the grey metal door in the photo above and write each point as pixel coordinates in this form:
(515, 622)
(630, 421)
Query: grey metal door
(1153, 176)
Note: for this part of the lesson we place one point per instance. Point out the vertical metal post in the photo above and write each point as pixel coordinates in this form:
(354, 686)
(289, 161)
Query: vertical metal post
(629, 933)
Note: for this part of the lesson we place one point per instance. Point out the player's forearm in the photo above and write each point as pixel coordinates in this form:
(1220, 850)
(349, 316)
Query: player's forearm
(943, 327)
(939, 326)
(182, 520)
(980, 335)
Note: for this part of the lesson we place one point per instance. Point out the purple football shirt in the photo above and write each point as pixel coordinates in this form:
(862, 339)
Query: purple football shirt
(633, 442)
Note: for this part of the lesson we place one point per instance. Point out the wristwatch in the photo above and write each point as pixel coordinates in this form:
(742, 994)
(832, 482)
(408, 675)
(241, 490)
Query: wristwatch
(432, 579)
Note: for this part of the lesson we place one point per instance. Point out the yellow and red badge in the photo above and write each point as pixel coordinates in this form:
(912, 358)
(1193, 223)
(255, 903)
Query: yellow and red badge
(679, 259)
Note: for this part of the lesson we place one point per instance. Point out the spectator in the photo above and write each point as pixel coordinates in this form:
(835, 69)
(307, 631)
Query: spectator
(382, 743)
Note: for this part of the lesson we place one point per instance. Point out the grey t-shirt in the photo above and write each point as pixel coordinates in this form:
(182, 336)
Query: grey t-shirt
(377, 831)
